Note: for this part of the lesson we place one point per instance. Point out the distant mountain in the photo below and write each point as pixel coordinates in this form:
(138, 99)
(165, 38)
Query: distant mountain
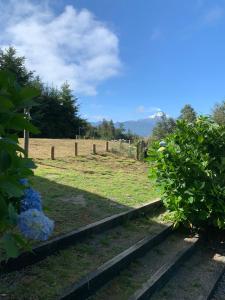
(142, 127)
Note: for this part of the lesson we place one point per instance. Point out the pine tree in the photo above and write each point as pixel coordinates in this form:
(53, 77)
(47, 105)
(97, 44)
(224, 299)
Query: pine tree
(56, 110)
(68, 100)
(164, 127)
(9, 61)
(56, 114)
(219, 113)
(188, 113)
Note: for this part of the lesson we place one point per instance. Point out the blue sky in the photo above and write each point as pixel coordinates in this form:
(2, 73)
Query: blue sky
(135, 58)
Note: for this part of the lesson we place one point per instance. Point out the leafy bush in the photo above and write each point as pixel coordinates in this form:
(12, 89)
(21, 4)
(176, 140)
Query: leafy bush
(13, 165)
(190, 168)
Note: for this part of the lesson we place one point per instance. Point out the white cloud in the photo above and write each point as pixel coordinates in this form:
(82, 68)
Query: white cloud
(143, 109)
(158, 114)
(72, 45)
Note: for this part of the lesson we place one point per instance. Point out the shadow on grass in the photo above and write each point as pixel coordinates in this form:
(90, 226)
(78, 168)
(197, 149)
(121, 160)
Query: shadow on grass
(71, 207)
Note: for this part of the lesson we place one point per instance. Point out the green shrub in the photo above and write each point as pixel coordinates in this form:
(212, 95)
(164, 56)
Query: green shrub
(13, 165)
(191, 171)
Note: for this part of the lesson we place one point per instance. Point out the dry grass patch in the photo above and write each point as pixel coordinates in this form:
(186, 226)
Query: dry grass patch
(41, 148)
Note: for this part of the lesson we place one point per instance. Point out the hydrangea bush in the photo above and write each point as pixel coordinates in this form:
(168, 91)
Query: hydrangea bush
(35, 225)
(189, 166)
(16, 196)
(31, 221)
(30, 200)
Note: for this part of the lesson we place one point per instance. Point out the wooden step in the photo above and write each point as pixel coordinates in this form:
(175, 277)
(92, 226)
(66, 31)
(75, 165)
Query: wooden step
(94, 280)
(196, 278)
(217, 292)
(164, 273)
(50, 247)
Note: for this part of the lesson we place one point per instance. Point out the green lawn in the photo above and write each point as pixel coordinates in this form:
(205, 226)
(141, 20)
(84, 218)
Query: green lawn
(48, 279)
(78, 191)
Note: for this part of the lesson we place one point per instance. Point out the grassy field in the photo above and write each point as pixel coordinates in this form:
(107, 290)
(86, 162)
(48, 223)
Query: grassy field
(41, 148)
(77, 191)
(80, 190)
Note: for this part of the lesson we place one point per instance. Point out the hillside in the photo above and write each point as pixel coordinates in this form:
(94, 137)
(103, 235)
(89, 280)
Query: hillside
(142, 127)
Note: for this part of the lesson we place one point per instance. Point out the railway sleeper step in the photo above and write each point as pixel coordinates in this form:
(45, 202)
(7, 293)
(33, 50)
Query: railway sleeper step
(96, 279)
(197, 278)
(50, 247)
(151, 271)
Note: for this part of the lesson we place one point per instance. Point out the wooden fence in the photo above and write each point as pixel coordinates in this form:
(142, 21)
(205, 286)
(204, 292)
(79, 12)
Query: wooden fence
(58, 148)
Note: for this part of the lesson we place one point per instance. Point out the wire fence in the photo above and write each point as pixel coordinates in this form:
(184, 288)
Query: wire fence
(124, 149)
(53, 148)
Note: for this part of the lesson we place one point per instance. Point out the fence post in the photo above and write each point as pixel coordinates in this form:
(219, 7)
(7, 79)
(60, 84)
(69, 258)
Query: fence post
(120, 145)
(94, 149)
(138, 150)
(26, 142)
(129, 152)
(107, 146)
(26, 133)
(76, 149)
(53, 153)
(142, 156)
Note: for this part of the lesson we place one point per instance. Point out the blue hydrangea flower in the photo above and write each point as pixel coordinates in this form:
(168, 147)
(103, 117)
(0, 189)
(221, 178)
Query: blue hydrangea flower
(24, 181)
(162, 144)
(31, 199)
(35, 225)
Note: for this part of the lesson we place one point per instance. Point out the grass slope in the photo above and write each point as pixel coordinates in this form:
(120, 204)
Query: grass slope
(51, 277)
(78, 191)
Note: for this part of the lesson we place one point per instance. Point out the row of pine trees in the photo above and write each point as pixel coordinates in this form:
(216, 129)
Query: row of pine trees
(56, 110)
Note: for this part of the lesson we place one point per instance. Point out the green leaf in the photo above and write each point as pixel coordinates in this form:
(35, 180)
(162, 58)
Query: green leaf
(11, 188)
(18, 122)
(10, 145)
(5, 104)
(28, 93)
(3, 208)
(13, 165)
(200, 138)
(2, 130)
(22, 242)
(191, 200)
(5, 160)
(12, 214)
(6, 79)
(10, 245)
(28, 163)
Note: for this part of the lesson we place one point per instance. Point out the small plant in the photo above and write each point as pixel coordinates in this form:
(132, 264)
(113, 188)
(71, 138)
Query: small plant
(190, 167)
(16, 197)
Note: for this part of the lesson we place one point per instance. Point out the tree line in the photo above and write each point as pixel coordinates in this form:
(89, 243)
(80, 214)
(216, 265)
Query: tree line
(166, 125)
(56, 110)
(108, 131)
